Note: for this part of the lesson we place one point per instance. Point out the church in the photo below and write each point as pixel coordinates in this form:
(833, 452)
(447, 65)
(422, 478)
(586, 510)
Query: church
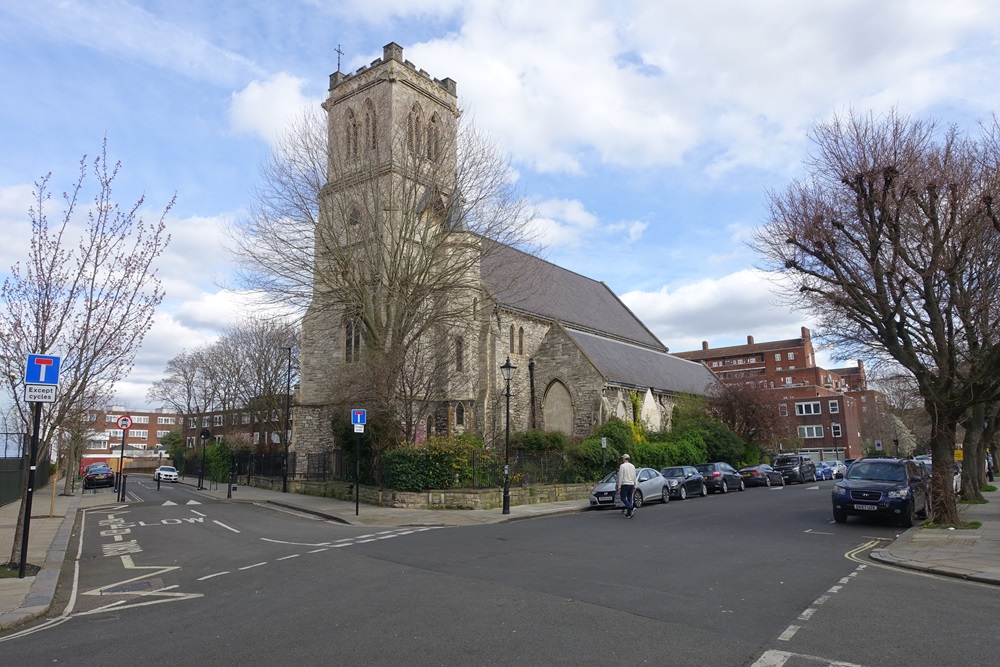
(581, 356)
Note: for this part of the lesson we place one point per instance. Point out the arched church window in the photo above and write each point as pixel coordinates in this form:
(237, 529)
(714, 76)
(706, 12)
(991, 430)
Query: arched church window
(512, 339)
(520, 340)
(351, 135)
(353, 217)
(458, 354)
(414, 130)
(371, 128)
(352, 340)
(433, 139)
(460, 415)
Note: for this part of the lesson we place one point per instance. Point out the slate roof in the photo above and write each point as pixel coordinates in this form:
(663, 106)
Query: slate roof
(632, 365)
(525, 283)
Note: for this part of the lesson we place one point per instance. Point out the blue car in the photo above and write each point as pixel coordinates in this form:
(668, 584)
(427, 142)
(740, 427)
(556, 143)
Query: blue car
(823, 470)
(893, 488)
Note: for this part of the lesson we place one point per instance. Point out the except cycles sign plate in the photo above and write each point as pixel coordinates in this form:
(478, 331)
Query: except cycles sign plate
(40, 393)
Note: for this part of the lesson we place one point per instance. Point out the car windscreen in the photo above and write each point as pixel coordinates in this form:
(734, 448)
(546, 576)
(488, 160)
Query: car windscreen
(168, 469)
(786, 461)
(875, 471)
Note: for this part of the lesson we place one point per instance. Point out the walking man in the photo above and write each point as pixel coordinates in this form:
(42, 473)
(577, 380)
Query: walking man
(626, 485)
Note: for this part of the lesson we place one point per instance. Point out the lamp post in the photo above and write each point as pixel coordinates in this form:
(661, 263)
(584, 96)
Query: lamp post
(205, 435)
(507, 370)
(284, 438)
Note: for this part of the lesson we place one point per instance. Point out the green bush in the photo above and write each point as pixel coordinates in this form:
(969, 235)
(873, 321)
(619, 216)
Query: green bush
(538, 441)
(440, 463)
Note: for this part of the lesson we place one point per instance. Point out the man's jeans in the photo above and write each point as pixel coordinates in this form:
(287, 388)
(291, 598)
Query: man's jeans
(627, 491)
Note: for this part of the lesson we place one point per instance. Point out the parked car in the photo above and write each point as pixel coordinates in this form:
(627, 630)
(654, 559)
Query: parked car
(761, 475)
(98, 476)
(823, 470)
(684, 481)
(882, 487)
(650, 485)
(720, 477)
(165, 474)
(839, 469)
(796, 468)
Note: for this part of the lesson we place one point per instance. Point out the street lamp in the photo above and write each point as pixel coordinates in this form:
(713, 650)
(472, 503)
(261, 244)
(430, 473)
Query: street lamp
(284, 438)
(205, 435)
(507, 370)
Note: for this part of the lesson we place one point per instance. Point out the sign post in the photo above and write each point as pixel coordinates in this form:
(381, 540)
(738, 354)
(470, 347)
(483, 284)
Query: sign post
(124, 423)
(358, 418)
(41, 383)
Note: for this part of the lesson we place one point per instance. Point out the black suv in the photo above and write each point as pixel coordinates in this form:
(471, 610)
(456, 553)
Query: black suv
(895, 488)
(795, 468)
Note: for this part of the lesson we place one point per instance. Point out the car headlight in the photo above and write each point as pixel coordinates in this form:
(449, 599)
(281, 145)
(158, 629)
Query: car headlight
(839, 490)
(672, 483)
(899, 493)
(795, 469)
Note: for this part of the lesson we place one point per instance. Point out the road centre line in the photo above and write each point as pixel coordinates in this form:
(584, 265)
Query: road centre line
(225, 526)
(788, 633)
(209, 576)
(253, 566)
(287, 557)
(316, 551)
(807, 614)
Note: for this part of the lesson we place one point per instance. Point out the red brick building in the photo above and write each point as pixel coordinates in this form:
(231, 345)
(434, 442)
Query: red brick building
(822, 408)
(105, 440)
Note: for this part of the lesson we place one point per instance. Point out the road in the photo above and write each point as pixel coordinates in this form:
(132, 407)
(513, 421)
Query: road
(762, 578)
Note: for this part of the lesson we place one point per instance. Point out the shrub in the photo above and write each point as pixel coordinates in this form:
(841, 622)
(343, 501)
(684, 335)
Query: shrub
(538, 441)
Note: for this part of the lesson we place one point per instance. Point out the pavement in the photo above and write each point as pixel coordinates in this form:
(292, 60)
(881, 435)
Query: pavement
(972, 554)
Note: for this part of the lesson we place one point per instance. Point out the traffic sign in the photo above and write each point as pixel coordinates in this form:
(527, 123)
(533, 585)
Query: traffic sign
(359, 428)
(358, 416)
(41, 369)
(40, 393)
(124, 422)
(878, 445)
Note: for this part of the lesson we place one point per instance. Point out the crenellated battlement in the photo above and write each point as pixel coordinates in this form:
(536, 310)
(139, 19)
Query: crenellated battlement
(392, 52)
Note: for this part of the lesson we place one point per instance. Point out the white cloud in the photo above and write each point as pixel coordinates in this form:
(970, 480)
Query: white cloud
(267, 107)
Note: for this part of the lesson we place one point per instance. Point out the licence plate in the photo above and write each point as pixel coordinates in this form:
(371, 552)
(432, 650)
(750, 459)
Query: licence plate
(606, 499)
(870, 508)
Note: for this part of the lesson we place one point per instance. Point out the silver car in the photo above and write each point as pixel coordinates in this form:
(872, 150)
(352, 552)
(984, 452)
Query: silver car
(650, 485)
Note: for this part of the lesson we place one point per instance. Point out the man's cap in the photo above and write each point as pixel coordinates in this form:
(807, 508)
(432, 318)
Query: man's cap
(625, 456)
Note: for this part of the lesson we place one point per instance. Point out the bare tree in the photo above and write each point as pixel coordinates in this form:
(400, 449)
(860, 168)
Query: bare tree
(385, 243)
(889, 240)
(750, 411)
(87, 293)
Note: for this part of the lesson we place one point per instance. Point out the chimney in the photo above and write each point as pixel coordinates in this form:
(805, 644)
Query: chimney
(749, 340)
(805, 333)
(704, 345)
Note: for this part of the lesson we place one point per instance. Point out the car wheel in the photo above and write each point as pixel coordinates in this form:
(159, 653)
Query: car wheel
(665, 495)
(908, 518)
(723, 488)
(682, 493)
(743, 487)
(767, 481)
(637, 499)
(840, 516)
(704, 490)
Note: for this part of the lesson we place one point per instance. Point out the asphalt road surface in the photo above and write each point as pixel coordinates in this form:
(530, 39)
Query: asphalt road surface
(762, 578)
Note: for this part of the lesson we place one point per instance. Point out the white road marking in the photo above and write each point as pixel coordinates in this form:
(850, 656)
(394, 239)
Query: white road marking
(192, 502)
(198, 513)
(225, 526)
(209, 576)
(788, 633)
(834, 589)
(807, 614)
(316, 551)
(168, 503)
(287, 557)
(779, 658)
(821, 599)
(253, 566)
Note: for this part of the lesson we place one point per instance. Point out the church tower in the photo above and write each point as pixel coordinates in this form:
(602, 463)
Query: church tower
(391, 180)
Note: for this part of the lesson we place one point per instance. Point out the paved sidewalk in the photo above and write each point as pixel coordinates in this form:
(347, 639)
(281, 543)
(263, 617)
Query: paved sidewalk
(968, 554)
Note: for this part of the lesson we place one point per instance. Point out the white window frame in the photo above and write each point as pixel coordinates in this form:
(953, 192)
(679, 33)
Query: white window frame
(791, 356)
(810, 432)
(809, 408)
(834, 407)
(777, 356)
(835, 430)
(782, 409)
(140, 419)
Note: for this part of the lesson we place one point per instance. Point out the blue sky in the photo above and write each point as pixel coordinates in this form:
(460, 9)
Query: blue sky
(646, 133)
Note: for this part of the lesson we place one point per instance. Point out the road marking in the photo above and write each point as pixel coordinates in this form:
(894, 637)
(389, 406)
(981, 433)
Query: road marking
(788, 633)
(198, 513)
(834, 589)
(253, 566)
(168, 503)
(316, 551)
(816, 532)
(192, 502)
(821, 600)
(287, 557)
(225, 526)
(209, 576)
(807, 614)
(779, 658)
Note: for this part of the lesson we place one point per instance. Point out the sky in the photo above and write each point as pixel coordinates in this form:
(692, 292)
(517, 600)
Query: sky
(646, 133)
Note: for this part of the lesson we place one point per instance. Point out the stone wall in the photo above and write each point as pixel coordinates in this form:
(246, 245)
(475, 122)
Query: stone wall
(468, 499)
